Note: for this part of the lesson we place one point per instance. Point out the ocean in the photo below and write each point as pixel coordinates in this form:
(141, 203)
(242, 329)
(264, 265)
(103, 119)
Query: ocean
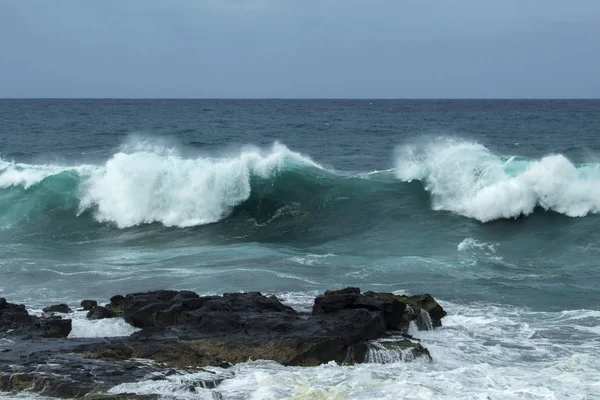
(492, 206)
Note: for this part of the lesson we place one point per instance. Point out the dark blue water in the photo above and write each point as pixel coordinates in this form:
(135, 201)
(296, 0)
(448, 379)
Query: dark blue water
(489, 205)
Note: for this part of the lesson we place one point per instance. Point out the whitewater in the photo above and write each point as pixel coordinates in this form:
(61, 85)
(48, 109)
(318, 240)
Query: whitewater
(157, 184)
(490, 206)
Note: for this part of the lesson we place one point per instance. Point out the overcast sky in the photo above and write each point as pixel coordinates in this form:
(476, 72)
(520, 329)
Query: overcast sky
(300, 48)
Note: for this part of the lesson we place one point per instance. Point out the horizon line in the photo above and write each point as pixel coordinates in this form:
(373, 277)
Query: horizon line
(303, 98)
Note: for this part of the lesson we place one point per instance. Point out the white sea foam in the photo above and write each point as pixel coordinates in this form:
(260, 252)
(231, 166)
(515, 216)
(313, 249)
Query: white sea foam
(470, 244)
(467, 179)
(27, 175)
(145, 187)
(108, 327)
(148, 183)
(483, 351)
(310, 259)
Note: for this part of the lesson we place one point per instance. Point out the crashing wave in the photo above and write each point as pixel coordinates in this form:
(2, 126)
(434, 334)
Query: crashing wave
(468, 179)
(158, 185)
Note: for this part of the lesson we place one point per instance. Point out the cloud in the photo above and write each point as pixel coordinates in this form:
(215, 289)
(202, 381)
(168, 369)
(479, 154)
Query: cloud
(309, 48)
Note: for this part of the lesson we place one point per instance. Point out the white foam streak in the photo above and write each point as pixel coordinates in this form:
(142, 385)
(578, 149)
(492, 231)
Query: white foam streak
(27, 175)
(470, 244)
(467, 179)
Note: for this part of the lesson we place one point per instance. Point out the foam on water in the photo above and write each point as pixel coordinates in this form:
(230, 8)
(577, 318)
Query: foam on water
(28, 175)
(484, 351)
(108, 327)
(468, 179)
(470, 244)
(144, 187)
(152, 183)
(310, 259)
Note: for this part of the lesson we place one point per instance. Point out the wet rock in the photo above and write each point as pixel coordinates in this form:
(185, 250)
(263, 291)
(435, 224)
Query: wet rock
(348, 290)
(181, 330)
(53, 327)
(389, 351)
(117, 304)
(420, 302)
(123, 396)
(47, 385)
(351, 298)
(100, 312)
(88, 305)
(13, 316)
(140, 309)
(15, 320)
(58, 308)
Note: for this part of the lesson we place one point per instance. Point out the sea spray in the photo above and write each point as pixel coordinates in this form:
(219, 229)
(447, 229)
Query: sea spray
(468, 179)
(153, 184)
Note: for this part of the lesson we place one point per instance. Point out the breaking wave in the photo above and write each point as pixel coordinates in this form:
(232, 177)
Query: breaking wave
(156, 184)
(468, 179)
(147, 186)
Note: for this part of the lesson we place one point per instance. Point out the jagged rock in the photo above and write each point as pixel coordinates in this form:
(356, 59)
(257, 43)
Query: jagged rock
(54, 327)
(383, 352)
(183, 330)
(123, 396)
(15, 319)
(100, 312)
(88, 305)
(333, 301)
(425, 302)
(348, 290)
(62, 387)
(139, 309)
(57, 308)
(13, 316)
(117, 304)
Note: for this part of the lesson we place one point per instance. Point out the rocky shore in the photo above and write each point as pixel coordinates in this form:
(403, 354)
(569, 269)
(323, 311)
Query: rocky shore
(182, 332)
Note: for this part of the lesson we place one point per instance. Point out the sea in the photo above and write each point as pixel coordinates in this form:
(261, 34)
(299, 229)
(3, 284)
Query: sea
(492, 206)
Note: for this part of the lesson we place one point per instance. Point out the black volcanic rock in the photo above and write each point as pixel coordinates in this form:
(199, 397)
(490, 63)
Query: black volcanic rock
(88, 305)
(57, 308)
(100, 312)
(16, 321)
(13, 316)
(417, 303)
(184, 331)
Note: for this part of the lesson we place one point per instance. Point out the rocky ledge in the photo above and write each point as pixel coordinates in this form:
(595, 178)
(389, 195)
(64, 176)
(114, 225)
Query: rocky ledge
(181, 331)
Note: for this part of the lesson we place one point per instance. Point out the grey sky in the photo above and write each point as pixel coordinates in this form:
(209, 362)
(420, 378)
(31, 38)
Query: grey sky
(300, 48)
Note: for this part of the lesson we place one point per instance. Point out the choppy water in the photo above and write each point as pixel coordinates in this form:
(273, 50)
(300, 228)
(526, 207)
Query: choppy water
(491, 206)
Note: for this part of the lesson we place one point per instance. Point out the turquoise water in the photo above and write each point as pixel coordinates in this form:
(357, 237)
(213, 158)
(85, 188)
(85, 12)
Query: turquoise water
(491, 206)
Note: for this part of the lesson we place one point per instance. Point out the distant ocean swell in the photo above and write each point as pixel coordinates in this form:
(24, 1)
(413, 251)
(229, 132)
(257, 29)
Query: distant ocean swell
(155, 184)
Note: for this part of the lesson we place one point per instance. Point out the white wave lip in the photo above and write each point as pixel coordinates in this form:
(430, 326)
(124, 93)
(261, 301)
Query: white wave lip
(149, 186)
(27, 175)
(156, 184)
(467, 179)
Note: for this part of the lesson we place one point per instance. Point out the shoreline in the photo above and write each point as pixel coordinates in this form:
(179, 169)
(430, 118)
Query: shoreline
(182, 332)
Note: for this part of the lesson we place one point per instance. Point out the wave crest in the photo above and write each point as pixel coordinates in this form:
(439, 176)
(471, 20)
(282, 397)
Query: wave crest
(467, 179)
(146, 187)
(149, 185)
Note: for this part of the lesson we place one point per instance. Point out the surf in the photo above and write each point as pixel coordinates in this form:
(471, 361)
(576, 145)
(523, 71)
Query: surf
(468, 179)
(281, 189)
(159, 185)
